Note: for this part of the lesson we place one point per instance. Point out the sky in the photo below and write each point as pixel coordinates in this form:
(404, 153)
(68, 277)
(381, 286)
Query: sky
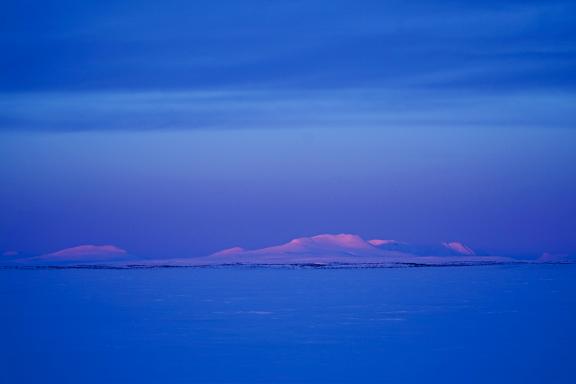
(179, 128)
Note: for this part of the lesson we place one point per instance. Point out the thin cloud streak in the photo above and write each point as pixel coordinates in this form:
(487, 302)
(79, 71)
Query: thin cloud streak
(260, 109)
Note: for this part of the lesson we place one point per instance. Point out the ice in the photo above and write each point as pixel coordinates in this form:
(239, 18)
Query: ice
(488, 324)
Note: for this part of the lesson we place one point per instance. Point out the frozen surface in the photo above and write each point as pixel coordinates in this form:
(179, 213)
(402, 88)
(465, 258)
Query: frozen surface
(490, 324)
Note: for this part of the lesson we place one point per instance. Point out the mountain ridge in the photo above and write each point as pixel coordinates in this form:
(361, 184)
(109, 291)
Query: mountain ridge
(321, 249)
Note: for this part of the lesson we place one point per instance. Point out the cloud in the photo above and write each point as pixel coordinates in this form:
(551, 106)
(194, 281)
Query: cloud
(142, 46)
(276, 109)
(287, 64)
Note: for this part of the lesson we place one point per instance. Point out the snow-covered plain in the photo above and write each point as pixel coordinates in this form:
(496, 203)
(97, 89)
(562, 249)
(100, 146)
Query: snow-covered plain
(490, 324)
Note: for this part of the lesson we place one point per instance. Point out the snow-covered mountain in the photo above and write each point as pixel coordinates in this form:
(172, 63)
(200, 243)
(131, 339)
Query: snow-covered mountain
(443, 249)
(82, 254)
(554, 258)
(349, 249)
(325, 249)
(326, 244)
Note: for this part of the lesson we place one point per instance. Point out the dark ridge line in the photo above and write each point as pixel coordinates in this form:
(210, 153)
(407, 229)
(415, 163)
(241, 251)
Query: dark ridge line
(275, 266)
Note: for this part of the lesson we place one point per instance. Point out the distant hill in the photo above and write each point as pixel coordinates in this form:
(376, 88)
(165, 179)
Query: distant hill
(319, 250)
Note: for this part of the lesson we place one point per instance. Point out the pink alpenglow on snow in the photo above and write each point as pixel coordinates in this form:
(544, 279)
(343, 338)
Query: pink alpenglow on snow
(87, 251)
(83, 254)
(229, 251)
(459, 248)
(325, 249)
(319, 246)
(557, 258)
(342, 240)
(378, 242)
(347, 249)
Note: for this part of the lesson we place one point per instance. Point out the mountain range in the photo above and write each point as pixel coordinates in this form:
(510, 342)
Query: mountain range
(319, 250)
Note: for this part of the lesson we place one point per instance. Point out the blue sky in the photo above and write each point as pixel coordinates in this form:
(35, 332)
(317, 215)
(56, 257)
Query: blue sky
(181, 127)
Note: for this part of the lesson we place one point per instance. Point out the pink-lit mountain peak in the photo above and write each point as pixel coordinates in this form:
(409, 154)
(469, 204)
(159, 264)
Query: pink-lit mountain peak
(325, 243)
(351, 244)
(88, 251)
(459, 248)
(342, 240)
(229, 251)
(82, 254)
(322, 249)
(351, 249)
(379, 242)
